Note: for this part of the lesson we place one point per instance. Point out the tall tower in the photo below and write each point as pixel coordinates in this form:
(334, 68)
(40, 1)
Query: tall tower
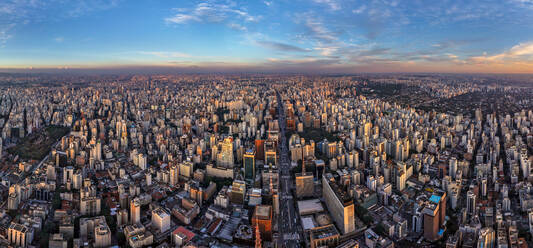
(135, 211)
(471, 203)
(249, 164)
(174, 174)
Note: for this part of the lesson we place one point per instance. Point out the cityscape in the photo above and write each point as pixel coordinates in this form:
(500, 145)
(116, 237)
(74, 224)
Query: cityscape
(275, 124)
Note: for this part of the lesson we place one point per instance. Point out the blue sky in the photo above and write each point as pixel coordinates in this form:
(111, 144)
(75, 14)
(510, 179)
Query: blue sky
(284, 35)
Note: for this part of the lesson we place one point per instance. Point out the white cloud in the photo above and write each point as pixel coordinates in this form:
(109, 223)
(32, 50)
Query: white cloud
(520, 52)
(181, 18)
(59, 39)
(359, 10)
(5, 35)
(211, 12)
(237, 26)
(332, 4)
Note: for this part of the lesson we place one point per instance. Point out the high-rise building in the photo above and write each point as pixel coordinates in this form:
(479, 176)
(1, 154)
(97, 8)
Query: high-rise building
(249, 165)
(225, 156)
(102, 235)
(470, 203)
(486, 238)
(260, 149)
(271, 152)
(434, 214)
(453, 167)
(305, 185)
(262, 218)
(340, 205)
(160, 220)
(19, 235)
(174, 174)
(135, 211)
(238, 190)
(186, 169)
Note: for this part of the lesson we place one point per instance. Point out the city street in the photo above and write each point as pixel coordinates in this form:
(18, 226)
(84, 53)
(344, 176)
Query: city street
(288, 219)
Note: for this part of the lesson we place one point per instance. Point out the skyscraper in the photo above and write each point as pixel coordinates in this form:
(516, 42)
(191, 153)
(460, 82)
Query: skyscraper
(262, 219)
(486, 238)
(174, 174)
(271, 153)
(434, 214)
(471, 203)
(249, 165)
(225, 157)
(135, 211)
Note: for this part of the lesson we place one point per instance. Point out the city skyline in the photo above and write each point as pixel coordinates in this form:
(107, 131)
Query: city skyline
(319, 36)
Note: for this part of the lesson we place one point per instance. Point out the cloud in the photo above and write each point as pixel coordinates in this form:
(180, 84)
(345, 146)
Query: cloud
(332, 4)
(267, 3)
(281, 46)
(167, 54)
(210, 12)
(59, 39)
(18, 13)
(236, 26)
(181, 18)
(359, 10)
(315, 28)
(327, 51)
(4, 34)
(523, 52)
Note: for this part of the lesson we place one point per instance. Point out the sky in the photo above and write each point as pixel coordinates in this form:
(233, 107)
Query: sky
(316, 36)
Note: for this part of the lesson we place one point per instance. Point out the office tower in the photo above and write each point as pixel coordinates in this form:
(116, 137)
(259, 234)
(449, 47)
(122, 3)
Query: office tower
(471, 203)
(238, 190)
(262, 219)
(135, 211)
(486, 238)
(225, 157)
(339, 204)
(483, 187)
(434, 213)
(260, 149)
(249, 165)
(174, 174)
(305, 185)
(160, 220)
(271, 153)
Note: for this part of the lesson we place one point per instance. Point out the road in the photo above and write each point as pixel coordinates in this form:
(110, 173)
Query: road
(288, 224)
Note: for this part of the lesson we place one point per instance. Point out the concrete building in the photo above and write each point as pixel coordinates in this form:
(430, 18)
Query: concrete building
(135, 211)
(339, 204)
(262, 218)
(160, 220)
(19, 235)
(324, 236)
